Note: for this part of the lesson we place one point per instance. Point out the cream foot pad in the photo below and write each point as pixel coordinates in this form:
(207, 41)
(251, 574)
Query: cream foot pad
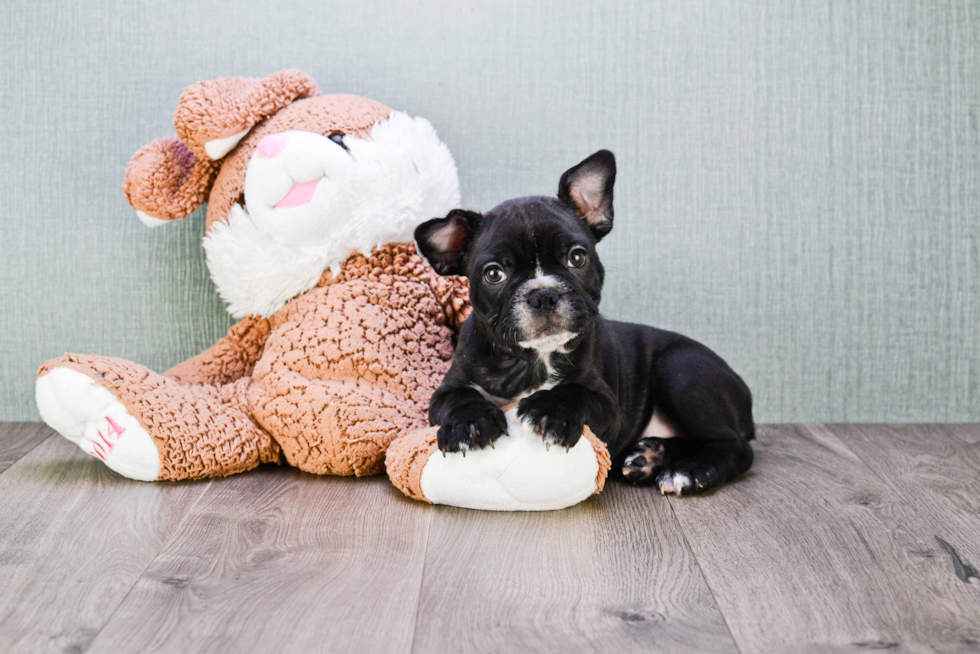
(92, 418)
(518, 474)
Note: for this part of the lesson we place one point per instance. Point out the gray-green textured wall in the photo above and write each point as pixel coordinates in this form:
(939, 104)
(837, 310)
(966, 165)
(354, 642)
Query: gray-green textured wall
(799, 181)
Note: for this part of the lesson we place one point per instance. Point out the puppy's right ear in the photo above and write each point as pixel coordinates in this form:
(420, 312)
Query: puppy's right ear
(444, 241)
(588, 188)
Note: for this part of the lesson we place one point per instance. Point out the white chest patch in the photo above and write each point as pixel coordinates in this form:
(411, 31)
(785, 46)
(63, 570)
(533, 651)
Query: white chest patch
(505, 401)
(545, 345)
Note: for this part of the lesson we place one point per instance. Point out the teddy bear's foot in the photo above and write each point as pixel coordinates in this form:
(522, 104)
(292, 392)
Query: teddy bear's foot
(521, 473)
(92, 418)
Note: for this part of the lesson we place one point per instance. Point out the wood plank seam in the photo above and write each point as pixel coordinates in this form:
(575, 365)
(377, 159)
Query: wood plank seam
(687, 544)
(961, 569)
(312, 555)
(173, 534)
(418, 598)
(829, 427)
(611, 574)
(32, 448)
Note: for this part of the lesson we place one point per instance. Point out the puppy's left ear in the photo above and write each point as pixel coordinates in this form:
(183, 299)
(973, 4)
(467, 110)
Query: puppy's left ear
(444, 241)
(588, 187)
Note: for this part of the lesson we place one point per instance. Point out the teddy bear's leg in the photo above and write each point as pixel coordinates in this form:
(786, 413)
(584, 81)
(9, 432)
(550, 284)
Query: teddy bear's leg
(146, 426)
(231, 358)
(333, 427)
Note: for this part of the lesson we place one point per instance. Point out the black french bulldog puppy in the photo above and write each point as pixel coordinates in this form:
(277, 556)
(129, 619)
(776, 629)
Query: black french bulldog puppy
(670, 410)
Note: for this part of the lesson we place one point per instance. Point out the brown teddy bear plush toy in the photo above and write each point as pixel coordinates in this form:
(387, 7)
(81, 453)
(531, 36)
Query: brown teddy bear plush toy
(345, 330)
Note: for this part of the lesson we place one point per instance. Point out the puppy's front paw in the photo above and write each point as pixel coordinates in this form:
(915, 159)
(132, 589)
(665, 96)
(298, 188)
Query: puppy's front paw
(472, 426)
(554, 416)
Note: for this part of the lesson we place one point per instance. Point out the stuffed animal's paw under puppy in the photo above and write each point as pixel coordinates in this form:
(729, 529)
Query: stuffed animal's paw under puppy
(520, 473)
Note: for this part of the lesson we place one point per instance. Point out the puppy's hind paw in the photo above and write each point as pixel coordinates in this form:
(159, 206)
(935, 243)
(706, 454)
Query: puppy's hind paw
(695, 474)
(648, 457)
(677, 483)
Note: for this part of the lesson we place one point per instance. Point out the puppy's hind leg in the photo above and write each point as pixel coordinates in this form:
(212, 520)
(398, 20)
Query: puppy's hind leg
(711, 408)
(713, 464)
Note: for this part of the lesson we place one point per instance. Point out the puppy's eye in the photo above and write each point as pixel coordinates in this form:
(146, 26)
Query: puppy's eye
(577, 257)
(494, 274)
(338, 139)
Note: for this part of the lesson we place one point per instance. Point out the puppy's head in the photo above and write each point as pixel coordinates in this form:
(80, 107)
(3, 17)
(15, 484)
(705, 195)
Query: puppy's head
(535, 278)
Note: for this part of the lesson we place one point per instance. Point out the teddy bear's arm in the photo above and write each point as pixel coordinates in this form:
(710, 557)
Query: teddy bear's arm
(228, 360)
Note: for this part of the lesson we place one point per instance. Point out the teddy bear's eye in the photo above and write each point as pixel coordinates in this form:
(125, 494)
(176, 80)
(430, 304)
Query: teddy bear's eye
(338, 139)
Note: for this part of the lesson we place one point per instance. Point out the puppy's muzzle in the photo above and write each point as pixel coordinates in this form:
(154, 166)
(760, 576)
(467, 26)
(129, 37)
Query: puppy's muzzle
(543, 300)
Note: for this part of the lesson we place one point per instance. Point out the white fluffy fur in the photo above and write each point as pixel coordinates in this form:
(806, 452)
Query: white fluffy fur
(401, 177)
(254, 273)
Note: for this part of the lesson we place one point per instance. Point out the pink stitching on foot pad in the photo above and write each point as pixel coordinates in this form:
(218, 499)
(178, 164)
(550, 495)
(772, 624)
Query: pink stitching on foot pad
(109, 439)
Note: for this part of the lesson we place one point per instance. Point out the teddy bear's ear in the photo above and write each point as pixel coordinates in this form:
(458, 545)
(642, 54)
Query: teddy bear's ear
(165, 180)
(214, 116)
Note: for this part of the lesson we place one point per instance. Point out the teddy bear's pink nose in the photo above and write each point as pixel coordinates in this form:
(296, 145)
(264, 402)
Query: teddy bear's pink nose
(271, 145)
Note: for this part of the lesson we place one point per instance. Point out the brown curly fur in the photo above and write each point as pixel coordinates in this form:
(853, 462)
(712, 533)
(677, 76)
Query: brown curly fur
(328, 381)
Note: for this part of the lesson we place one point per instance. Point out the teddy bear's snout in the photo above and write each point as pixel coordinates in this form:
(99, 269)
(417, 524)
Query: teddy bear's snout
(271, 145)
(286, 168)
(297, 186)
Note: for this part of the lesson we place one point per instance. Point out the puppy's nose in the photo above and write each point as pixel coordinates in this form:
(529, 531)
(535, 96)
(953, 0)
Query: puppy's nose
(543, 299)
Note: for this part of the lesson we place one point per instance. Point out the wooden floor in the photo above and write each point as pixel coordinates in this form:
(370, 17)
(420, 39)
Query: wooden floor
(841, 539)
